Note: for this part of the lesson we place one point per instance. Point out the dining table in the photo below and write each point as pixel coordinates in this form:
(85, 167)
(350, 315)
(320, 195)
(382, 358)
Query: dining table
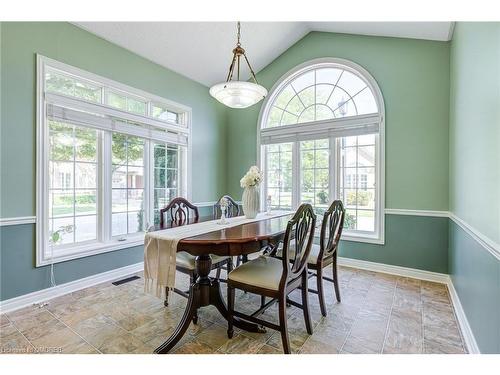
(233, 241)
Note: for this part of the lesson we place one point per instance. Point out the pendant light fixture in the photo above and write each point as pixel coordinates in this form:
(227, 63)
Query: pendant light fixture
(238, 94)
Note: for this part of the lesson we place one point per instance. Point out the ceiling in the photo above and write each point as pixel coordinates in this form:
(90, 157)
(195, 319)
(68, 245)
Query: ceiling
(202, 50)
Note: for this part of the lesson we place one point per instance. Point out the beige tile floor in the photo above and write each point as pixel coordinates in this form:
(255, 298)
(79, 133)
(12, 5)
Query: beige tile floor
(379, 313)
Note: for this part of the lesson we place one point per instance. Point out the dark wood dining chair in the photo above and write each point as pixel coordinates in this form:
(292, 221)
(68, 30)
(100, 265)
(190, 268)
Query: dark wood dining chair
(326, 252)
(182, 212)
(232, 211)
(233, 208)
(277, 278)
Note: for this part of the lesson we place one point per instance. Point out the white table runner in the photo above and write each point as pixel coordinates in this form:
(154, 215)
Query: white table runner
(160, 249)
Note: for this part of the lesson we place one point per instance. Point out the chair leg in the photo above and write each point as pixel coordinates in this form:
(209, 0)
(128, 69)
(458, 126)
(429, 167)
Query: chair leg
(283, 325)
(305, 303)
(321, 294)
(165, 303)
(244, 259)
(230, 311)
(217, 275)
(262, 301)
(335, 277)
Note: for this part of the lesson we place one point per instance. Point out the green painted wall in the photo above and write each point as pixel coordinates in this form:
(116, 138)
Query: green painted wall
(18, 274)
(414, 78)
(475, 126)
(74, 46)
(476, 277)
(475, 175)
(69, 44)
(419, 242)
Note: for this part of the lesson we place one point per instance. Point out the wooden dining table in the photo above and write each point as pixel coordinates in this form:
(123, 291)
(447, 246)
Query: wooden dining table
(233, 241)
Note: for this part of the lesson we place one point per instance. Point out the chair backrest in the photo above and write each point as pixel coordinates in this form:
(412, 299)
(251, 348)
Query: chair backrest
(331, 229)
(299, 237)
(232, 210)
(180, 212)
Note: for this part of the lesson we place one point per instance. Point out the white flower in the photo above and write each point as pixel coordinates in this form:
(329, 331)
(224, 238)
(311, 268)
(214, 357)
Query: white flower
(252, 178)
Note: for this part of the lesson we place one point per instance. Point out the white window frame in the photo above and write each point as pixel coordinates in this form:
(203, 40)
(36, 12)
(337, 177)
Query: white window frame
(168, 130)
(286, 133)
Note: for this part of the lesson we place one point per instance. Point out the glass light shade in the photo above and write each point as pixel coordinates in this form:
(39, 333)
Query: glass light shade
(238, 94)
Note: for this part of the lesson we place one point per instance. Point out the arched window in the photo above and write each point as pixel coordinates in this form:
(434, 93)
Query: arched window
(321, 138)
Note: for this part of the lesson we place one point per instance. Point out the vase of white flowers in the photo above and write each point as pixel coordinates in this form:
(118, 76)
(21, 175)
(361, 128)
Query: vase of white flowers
(250, 200)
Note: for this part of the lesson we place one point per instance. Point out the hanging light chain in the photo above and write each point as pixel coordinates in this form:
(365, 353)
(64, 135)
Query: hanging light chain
(238, 34)
(250, 67)
(237, 52)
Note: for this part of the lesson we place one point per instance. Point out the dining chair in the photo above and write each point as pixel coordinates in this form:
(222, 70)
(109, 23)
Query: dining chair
(325, 253)
(277, 278)
(182, 212)
(232, 211)
(233, 208)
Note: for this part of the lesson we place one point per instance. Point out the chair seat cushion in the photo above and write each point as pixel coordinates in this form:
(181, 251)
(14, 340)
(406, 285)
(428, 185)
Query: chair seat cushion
(313, 255)
(264, 272)
(186, 260)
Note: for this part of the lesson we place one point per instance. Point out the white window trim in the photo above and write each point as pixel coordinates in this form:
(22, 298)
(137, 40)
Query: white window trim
(379, 237)
(109, 243)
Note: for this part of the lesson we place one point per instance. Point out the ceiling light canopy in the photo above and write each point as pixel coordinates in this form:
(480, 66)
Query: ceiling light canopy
(238, 94)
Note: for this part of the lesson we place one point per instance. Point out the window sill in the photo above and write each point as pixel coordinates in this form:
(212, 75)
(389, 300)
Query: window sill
(354, 238)
(363, 239)
(91, 249)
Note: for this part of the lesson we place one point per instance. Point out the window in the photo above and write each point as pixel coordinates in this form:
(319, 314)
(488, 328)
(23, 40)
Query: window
(108, 157)
(321, 138)
(127, 187)
(357, 162)
(314, 176)
(279, 175)
(167, 175)
(73, 181)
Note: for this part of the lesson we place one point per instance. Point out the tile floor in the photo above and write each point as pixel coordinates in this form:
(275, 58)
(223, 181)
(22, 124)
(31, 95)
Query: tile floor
(379, 313)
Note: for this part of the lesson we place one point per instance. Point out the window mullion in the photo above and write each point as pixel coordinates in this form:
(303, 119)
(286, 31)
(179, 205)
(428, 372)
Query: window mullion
(74, 183)
(295, 174)
(105, 187)
(264, 166)
(379, 213)
(333, 170)
(148, 183)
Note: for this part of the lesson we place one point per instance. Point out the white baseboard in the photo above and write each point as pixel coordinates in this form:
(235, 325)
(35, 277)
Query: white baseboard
(470, 340)
(395, 270)
(59, 290)
(468, 335)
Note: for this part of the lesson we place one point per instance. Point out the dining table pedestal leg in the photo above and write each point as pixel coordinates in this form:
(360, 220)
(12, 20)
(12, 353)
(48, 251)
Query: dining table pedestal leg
(204, 291)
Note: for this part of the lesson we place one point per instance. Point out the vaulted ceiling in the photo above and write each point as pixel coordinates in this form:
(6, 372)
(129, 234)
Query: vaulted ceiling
(202, 50)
